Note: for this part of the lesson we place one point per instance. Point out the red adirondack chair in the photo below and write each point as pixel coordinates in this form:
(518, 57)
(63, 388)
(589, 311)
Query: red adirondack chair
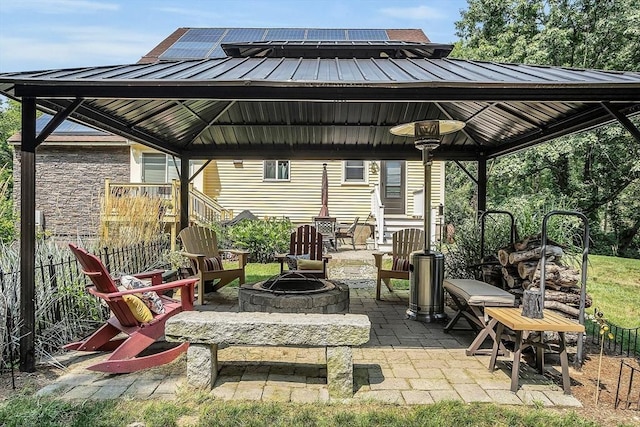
(139, 335)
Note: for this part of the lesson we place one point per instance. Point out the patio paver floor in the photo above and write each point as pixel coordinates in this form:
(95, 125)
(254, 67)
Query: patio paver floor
(405, 362)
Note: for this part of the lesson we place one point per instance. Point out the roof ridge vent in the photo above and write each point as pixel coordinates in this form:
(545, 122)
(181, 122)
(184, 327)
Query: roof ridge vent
(337, 49)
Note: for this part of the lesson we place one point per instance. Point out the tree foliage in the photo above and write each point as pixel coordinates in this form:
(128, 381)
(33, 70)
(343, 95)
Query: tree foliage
(596, 172)
(9, 124)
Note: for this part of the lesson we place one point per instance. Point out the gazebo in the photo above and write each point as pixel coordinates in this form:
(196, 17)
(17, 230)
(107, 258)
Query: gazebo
(303, 100)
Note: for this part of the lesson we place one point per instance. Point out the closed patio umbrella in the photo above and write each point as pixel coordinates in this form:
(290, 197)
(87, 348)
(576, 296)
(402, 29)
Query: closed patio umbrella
(324, 210)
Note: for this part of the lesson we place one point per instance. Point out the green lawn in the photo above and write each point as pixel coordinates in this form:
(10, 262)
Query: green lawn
(614, 286)
(200, 409)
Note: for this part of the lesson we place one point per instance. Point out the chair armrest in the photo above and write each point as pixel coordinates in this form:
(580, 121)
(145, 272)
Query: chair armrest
(162, 287)
(378, 258)
(192, 256)
(326, 257)
(155, 275)
(243, 256)
(235, 251)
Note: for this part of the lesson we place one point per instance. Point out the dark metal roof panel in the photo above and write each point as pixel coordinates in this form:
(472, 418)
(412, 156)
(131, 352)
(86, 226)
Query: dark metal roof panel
(333, 70)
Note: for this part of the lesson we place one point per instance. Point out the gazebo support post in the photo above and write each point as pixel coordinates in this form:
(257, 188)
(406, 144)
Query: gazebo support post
(28, 235)
(482, 185)
(184, 192)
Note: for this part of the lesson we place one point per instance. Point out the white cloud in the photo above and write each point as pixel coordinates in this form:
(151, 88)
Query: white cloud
(61, 6)
(189, 12)
(413, 13)
(75, 47)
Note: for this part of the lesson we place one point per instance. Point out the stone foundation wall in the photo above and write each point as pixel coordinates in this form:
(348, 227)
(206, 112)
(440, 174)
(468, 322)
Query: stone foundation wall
(70, 184)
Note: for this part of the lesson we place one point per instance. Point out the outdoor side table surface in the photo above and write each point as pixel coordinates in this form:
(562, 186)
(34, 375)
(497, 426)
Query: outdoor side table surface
(513, 319)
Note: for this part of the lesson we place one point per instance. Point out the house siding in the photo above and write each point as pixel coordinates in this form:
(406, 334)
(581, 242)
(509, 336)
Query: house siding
(241, 186)
(415, 182)
(70, 184)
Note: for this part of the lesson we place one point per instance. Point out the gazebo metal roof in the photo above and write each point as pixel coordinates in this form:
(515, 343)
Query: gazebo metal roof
(330, 108)
(306, 107)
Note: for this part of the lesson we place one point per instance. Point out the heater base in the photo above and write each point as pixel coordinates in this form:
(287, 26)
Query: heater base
(426, 317)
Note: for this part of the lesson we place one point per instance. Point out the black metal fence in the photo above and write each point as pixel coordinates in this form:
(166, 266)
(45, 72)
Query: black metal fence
(65, 311)
(628, 389)
(625, 341)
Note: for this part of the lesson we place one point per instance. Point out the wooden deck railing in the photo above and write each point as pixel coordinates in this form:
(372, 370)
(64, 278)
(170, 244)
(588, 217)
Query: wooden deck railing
(202, 208)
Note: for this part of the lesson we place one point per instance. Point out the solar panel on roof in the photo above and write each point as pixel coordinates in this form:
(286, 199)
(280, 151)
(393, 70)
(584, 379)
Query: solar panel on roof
(211, 35)
(179, 53)
(217, 53)
(206, 42)
(326, 34)
(243, 35)
(367, 35)
(285, 34)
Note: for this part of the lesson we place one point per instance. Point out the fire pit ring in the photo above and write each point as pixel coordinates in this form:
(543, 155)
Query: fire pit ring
(294, 292)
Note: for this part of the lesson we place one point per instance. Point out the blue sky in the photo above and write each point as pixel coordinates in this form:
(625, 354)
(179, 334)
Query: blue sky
(50, 34)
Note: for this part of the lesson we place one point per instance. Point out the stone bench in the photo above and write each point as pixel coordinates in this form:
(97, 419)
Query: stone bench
(208, 330)
(470, 297)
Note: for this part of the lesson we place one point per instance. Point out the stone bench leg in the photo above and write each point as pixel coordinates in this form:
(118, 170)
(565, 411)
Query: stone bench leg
(202, 365)
(340, 371)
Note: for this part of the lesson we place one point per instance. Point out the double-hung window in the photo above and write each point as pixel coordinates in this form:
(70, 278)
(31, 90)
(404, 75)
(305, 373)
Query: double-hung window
(354, 172)
(158, 168)
(276, 170)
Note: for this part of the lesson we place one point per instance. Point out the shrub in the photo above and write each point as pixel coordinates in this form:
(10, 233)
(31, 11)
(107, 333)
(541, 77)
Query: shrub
(464, 252)
(263, 238)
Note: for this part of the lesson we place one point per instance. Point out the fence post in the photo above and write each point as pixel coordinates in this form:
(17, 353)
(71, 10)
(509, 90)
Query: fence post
(53, 279)
(107, 261)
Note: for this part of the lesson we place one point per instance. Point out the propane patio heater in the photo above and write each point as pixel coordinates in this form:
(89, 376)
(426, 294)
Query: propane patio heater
(426, 267)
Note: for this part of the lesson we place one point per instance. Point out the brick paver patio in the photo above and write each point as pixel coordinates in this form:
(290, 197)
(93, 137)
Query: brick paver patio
(405, 362)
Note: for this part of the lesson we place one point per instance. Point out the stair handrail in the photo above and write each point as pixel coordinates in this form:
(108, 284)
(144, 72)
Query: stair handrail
(377, 210)
(204, 209)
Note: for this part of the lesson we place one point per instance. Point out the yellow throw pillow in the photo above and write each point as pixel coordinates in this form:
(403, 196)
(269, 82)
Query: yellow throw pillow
(309, 264)
(139, 309)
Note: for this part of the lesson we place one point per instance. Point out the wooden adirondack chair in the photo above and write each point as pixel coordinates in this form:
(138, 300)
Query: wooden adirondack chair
(404, 242)
(124, 357)
(201, 247)
(306, 241)
(348, 232)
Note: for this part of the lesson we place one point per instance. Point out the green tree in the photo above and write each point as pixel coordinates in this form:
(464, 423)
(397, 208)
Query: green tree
(9, 124)
(597, 171)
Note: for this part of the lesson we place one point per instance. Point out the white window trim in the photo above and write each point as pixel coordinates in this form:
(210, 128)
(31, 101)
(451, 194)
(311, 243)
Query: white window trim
(168, 168)
(365, 167)
(276, 179)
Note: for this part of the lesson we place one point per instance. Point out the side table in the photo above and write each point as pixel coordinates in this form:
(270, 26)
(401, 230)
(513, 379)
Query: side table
(513, 319)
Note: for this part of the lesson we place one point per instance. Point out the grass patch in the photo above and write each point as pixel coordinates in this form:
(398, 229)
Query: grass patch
(254, 272)
(614, 286)
(203, 410)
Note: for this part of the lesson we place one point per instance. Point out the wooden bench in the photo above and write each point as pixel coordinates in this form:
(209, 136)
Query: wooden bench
(208, 330)
(470, 297)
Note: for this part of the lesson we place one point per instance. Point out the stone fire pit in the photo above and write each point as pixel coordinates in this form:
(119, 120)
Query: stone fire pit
(294, 293)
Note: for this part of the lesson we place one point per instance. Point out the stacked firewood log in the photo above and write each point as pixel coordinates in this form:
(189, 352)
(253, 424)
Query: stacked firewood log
(520, 267)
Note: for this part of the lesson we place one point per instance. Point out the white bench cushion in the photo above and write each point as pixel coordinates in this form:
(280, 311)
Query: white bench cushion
(475, 292)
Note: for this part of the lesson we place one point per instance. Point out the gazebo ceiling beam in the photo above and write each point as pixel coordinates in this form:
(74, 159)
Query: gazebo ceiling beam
(60, 117)
(580, 122)
(450, 117)
(208, 124)
(247, 151)
(109, 124)
(624, 120)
